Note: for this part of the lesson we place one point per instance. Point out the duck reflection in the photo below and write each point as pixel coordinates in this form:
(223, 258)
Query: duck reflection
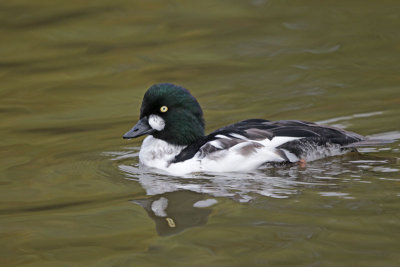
(179, 203)
(176, 211)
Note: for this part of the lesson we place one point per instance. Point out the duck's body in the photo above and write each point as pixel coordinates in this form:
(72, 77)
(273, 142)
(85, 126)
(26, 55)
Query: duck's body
(176, 143)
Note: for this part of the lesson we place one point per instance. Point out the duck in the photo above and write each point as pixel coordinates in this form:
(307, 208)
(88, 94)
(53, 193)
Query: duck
(176, 142)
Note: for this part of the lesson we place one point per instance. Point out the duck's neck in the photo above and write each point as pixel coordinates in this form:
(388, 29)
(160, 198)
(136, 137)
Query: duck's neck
(183, 132)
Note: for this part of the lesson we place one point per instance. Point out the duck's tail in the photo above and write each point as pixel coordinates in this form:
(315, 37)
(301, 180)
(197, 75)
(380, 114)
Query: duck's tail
(369, 142)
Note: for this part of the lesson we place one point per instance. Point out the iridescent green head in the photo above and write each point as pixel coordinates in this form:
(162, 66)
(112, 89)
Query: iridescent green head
(169, 112)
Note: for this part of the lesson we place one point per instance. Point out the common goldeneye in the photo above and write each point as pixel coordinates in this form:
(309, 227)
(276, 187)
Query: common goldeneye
(173, 120)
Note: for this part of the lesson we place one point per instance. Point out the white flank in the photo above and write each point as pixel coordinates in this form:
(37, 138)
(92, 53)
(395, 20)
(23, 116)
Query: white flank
(156, 122)
(233, 159)
(156, 153)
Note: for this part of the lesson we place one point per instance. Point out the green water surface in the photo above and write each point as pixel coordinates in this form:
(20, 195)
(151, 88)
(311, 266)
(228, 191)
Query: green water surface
(72, 76)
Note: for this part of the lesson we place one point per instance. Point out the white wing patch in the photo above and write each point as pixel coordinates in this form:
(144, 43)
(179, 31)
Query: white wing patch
(216, 144)
(222, 136)
(290, 156)
(278, 140)
(238, 136)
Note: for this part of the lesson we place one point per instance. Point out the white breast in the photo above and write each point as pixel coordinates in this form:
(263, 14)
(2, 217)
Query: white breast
(156, 153)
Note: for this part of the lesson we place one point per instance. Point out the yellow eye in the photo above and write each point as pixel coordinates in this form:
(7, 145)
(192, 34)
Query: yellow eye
(164, 109)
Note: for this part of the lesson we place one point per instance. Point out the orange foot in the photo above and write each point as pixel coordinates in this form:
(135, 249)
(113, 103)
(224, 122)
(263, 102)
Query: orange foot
(302, 163)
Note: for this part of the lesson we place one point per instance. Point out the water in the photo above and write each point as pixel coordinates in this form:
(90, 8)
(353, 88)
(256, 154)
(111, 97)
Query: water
(72, 75)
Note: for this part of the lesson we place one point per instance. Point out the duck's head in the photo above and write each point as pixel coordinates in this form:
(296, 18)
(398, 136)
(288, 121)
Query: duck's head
(170, 113)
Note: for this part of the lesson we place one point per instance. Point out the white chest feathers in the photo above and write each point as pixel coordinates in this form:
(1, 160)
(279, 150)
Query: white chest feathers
(157, 153)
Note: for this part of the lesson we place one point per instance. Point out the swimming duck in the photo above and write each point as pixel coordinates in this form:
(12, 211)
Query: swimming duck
(173, 120)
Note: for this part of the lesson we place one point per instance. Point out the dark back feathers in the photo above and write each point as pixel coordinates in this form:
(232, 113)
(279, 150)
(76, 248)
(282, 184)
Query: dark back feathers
(259, 129)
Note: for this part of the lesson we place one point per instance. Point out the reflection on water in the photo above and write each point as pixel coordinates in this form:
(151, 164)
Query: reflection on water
(238, 186)
(176, 211)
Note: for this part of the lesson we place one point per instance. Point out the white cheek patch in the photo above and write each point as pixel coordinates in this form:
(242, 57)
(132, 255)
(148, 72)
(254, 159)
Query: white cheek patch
(156, 122)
